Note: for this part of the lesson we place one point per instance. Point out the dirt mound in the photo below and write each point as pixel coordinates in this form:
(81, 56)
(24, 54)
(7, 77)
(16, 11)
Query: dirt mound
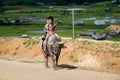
(114, 27)
(18, 46)
(83, 52)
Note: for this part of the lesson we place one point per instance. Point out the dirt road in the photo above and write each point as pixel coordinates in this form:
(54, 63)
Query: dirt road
(13, 70)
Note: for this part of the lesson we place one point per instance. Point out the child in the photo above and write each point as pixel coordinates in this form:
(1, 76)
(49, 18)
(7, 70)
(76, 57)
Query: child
(50, 28)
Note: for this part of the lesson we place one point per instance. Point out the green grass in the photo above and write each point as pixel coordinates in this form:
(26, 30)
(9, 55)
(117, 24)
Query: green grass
(73, 58)
(115, 38)
(95, 10)
(31, 42)
(17, 30)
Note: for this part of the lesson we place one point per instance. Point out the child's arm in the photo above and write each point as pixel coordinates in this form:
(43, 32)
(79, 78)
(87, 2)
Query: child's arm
(46, 29)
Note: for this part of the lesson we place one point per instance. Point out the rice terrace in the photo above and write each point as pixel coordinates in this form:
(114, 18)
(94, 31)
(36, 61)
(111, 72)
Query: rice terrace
(91, 39)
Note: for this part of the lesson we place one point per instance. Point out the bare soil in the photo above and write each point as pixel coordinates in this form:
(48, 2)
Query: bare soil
(13, 70)
(114, 27)
(83, 53)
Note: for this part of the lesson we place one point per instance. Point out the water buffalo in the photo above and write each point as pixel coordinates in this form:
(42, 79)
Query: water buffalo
(53, 50)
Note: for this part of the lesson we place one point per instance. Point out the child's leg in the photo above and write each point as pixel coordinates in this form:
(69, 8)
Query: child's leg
(45, 42)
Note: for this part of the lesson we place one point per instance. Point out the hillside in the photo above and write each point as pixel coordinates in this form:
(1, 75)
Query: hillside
(89, 54)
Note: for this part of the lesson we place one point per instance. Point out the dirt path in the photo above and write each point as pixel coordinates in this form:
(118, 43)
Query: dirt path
(13, 70)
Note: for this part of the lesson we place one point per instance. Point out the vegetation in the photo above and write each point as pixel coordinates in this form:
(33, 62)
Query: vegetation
(31, 42)
(98, 10)
(73, 58)
(48, 2)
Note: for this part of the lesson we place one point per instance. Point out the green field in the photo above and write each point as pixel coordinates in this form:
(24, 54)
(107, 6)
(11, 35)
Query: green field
(59, 12)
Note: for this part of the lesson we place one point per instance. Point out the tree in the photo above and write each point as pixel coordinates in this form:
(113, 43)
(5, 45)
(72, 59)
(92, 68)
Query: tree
(1, 6)
(48, 2)
(1, 3)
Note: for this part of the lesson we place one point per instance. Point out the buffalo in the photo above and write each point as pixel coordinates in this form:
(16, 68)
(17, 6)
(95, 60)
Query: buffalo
(53, 49)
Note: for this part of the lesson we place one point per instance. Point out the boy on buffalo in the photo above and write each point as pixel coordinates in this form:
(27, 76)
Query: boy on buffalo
(49, 29)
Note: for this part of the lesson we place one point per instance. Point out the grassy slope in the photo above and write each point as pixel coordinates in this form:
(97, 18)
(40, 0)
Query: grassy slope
(95, 10)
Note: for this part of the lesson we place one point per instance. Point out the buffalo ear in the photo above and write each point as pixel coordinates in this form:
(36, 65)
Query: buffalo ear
(51, 44)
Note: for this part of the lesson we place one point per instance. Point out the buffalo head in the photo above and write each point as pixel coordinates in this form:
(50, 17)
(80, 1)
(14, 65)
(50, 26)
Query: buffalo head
(56, 47)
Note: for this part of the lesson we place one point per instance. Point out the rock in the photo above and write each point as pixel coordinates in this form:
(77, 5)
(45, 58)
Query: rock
(114, 33)
(98, 37)
(87, 33)
(24, 36)
(79, 22)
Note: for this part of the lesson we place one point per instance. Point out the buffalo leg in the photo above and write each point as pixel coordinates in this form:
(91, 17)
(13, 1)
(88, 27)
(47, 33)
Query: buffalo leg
(46, 58)
(46, 61)
(57, 57)
(53, 61)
